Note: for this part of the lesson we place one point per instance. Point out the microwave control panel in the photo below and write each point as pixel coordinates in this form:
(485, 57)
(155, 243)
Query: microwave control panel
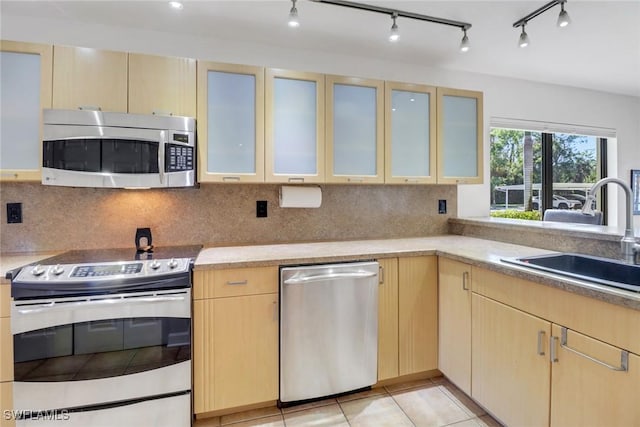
(179, 158)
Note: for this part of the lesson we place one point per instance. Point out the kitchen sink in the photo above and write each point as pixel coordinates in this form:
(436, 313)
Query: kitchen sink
(589, 268)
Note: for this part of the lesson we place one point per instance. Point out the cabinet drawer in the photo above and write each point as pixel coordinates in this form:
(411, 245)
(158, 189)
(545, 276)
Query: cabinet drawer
(235, 282)
(6, 403)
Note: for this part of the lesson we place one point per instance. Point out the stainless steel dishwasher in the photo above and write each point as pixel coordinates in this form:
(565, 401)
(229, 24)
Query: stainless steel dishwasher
(328, 329)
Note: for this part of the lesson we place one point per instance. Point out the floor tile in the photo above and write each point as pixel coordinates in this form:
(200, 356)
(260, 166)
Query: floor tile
(274, 421)
(249, 415)
(375, 411)
(429, 406)
(488, 421)
(461, 399)
(309, 405)
(330, 415)
(207, 422)
(380, 391)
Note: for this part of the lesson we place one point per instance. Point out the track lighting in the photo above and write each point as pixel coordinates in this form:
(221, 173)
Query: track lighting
(464, 43)
(394, 35)
(524, 38)
(563, 19)
(176, 5)
(394, 13)
(293, 15)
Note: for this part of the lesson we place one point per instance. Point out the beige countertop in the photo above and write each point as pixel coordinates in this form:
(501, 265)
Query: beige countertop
(478, 252)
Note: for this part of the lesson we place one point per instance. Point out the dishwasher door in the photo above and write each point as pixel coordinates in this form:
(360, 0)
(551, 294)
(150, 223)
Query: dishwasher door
(328, 329)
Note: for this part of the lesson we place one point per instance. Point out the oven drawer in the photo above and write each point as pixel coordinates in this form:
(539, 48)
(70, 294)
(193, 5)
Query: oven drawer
(235, 282)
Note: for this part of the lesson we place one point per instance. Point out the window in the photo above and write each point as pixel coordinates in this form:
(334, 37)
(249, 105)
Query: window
(534, 171)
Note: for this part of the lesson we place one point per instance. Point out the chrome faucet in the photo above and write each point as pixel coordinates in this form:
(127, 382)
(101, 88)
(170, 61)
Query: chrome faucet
(628, 245)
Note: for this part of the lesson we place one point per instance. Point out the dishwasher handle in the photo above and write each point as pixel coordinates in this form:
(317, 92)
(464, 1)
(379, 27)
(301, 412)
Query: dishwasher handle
(329, 276)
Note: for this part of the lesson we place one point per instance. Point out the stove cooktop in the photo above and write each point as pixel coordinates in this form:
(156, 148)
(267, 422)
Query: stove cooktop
(121, 254)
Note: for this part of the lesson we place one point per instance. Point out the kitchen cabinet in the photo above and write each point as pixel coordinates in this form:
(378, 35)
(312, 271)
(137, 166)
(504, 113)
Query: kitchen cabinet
(388, 319)
(410, 133)
(294, 135)
(454, 322)
(162, 85)
(230, 123)
(354, 130)
(91, 78)
(417, 314)
(6, 354)
(25, 73)
(510, 364)
(460, 136)
(235, 338)
(588, 384)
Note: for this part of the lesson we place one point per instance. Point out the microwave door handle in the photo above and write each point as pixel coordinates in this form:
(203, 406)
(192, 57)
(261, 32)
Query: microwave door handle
(161, 154)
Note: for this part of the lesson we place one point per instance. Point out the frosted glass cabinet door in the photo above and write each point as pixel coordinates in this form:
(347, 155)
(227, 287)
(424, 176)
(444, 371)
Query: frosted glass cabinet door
(230, 123)
(354, 130)
(459, 136)
(410, 133)
(25, 73)
(294, 127)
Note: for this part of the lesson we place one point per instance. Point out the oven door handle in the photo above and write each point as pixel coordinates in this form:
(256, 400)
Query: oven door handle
(100, 302)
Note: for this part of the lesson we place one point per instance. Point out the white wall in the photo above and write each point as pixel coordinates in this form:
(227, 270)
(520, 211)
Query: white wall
(503, 97)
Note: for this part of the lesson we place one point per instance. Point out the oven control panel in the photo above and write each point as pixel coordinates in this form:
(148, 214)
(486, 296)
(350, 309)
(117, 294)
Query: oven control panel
(102, 271)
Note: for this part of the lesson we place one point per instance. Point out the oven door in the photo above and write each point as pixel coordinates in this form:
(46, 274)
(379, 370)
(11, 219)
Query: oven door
(100, 351)
(100, 156)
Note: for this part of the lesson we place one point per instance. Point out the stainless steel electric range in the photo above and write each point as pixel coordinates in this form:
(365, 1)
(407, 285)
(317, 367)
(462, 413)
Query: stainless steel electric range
(103, 338)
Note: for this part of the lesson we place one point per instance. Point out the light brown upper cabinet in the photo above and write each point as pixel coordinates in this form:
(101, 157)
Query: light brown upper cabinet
(294, 136)
(230, 123)
(354, 130)
(89, 78)
(460, 130)
(410, 133)
(25, 73)
(162, 85)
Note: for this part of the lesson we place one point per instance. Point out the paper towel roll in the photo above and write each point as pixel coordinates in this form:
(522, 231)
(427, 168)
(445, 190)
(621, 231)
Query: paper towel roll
(300, 197)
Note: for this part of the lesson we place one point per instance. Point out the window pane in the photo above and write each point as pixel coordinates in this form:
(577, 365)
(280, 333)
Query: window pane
(575, 169)
(516, 173)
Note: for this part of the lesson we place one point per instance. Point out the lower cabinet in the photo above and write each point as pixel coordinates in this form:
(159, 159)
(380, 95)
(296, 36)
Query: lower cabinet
(235, 339)
(510, 363)
(388, 319)
(417, 314)
(454, 322)
(591, 383)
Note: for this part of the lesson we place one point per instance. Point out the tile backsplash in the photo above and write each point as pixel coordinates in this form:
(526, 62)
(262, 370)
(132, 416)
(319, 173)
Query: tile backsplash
(60, 218)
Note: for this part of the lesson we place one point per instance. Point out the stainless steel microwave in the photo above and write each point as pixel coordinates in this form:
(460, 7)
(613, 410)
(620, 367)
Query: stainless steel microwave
(86, 148)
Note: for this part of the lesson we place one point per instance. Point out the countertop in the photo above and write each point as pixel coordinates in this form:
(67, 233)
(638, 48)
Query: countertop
(479, 252)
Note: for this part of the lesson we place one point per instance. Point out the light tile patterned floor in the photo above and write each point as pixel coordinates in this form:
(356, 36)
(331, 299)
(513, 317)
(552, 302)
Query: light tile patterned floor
(426, 403)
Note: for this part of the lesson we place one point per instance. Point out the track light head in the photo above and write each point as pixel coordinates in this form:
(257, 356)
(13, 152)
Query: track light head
(464, 43)
(293, 15)
(563, 17)
(524, 38)
(394, 35)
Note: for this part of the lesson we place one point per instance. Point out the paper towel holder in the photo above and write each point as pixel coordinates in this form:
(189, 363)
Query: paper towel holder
(300, 196)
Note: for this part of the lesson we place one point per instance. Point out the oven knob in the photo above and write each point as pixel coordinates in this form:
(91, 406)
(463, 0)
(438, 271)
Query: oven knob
(37, 270)
(172, 263)
(57, 270)
(154, 264)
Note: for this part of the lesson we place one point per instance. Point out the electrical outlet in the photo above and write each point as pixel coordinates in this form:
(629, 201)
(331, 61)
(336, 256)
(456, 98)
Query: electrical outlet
(442, 206)
(14, 213)
(261, 209)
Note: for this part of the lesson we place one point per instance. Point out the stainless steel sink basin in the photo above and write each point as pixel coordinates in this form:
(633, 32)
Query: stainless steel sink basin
(593, 269)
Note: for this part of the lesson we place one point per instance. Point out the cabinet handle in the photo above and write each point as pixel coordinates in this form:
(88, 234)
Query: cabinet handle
(89, 108)
(380, 274)
(275, 310)
(624, 355)
(231, 178)
(411, 180)
(465, 281)
(296, 179)
(238, 282)
(552, 343)
(355, 179)
(541, 335)
(161, 113)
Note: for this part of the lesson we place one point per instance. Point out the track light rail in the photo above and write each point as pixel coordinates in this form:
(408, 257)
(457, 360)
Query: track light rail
(539, 11)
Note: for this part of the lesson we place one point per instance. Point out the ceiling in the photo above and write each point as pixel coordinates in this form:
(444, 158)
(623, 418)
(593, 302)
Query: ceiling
(600, 50)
